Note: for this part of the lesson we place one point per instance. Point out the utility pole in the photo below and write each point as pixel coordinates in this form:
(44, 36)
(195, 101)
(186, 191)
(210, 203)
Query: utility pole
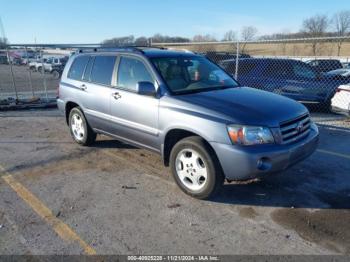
(2, 29)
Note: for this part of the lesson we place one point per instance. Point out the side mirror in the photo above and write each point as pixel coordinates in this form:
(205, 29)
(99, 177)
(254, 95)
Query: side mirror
(145, 88)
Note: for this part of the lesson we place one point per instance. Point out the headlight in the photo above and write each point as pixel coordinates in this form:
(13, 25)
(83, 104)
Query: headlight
(250, 135)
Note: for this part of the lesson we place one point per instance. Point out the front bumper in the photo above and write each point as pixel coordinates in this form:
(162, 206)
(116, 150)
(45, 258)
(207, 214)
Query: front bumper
(247, 162)
(341, 110)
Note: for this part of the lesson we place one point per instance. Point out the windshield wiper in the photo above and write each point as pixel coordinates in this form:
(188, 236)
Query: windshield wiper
(224, 87)
(199, 90)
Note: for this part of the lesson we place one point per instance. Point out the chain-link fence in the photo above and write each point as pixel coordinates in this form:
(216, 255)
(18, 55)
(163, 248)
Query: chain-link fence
(31, 73)
(315, 71)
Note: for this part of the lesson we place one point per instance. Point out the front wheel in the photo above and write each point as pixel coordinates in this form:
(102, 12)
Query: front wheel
(80, 130)
(195, 168)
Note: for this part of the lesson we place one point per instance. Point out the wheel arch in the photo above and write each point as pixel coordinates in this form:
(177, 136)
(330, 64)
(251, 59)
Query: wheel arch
(68, 107)
(174, 135)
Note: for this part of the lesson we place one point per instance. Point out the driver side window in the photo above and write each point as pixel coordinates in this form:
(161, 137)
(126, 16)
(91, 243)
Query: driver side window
(130, 72)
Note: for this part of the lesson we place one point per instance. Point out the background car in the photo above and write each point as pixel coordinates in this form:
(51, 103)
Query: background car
(3, 60)
(325, 65)
(341, 99)
(49, 64)
(292, 78)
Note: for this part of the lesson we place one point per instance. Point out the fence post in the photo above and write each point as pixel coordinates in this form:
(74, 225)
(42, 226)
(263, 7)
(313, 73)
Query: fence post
(237, 57)
(43, 76)
(12, 75)
(0, 88)
(29, 73)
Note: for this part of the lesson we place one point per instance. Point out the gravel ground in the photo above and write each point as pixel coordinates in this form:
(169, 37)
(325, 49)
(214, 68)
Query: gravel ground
(121, 200)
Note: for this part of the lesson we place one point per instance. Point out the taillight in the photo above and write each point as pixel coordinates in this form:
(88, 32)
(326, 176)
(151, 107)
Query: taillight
(58, 92)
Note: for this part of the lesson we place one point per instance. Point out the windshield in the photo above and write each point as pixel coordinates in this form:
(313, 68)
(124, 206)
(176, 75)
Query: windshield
(192, 74)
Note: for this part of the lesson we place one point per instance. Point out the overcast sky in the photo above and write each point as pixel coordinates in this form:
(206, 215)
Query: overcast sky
(91, 21)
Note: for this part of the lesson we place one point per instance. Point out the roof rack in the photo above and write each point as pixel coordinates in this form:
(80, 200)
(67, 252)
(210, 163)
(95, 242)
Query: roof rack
(119, 48)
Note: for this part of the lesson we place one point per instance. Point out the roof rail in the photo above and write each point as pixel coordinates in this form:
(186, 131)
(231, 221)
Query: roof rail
(119, 48)
(182, 49)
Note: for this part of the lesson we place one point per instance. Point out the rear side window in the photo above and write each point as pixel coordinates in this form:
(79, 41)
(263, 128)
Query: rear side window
(88, 68)
(102, 70)
(244, 68)
(279, 69)
(313, 63)
(77, 69)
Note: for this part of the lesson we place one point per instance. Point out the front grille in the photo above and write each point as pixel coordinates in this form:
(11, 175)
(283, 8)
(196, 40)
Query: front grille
(295, 129)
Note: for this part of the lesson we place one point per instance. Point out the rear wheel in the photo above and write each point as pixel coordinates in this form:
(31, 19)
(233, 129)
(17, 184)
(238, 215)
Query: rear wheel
(55, 74)
(195, 168)
(80, 130)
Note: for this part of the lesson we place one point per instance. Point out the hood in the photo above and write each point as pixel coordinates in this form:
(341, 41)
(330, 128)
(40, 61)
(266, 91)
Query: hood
(243, 105)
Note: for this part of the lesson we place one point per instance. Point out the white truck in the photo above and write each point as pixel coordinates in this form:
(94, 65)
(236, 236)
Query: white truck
(49, 64)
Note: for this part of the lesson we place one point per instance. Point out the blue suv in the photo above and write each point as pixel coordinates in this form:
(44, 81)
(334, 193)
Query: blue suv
(205, 126)
(292, 78)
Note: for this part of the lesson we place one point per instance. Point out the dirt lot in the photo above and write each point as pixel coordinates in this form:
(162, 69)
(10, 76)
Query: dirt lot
(59, 198)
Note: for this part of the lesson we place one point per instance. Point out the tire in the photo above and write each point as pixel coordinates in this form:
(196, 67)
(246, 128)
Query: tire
(55, 74)
(192, 179)
(80, 129)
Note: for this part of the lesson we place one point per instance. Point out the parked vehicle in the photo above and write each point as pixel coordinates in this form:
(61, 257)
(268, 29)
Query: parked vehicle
(203, 123)
(341, 99)
(292, 78)
(3, 59)
(34, 65)
(50, 64)
(17, 61)
(325, 65)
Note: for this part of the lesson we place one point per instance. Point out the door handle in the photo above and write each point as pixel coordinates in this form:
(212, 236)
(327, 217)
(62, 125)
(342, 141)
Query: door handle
(116, 95)
(83, 87)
